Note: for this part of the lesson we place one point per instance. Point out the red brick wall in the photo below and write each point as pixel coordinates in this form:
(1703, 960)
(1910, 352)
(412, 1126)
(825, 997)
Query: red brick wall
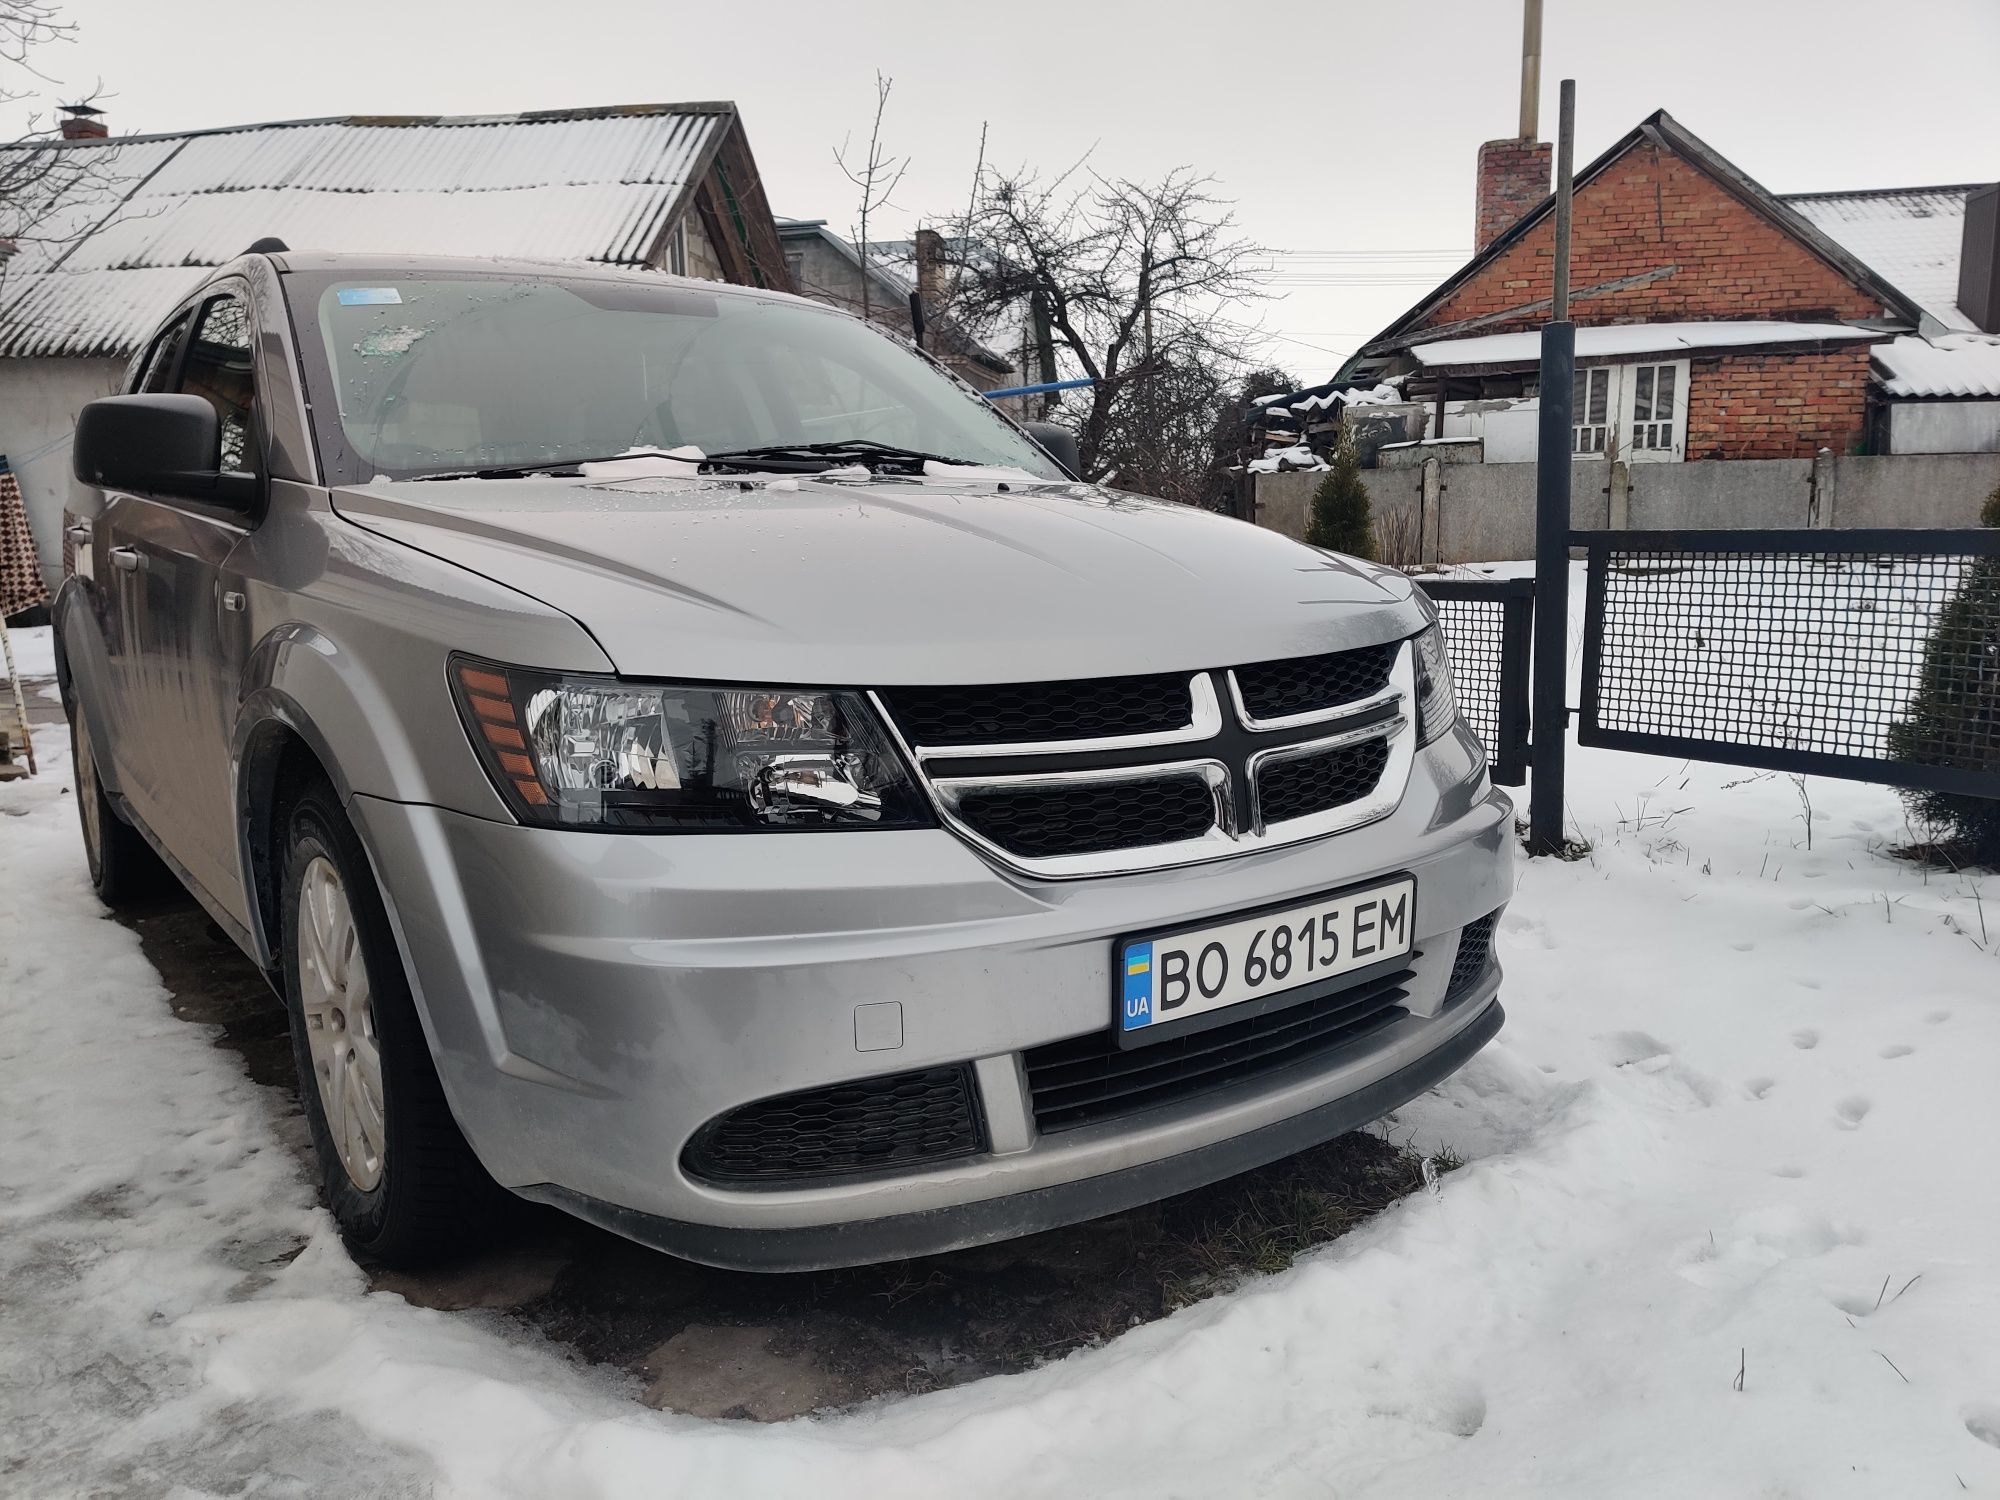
(1513, 178)
(1777, 405)
(1650, 210)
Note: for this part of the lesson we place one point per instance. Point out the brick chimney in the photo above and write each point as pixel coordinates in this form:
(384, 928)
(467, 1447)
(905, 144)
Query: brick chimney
(930, 269)
(81, 122)
(1514, 175)
(1513, 178)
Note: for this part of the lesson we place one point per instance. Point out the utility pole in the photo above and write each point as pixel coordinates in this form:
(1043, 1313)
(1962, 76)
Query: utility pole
(1550, 725)
(1531, 69)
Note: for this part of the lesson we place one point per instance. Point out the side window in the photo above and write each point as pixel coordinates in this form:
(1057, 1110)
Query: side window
(218, 367)
(158, 367)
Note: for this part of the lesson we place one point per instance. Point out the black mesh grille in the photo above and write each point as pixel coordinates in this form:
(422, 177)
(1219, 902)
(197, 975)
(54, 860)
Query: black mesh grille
(1033, 712)
(1090, 1078)
(1475, 946)
(1038, 822)
(1272, 689)
(869, 1125)
(1314, 783)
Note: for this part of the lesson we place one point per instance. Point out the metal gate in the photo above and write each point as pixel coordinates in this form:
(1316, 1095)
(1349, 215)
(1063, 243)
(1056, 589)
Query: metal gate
(1872, 655)
(1488, 626)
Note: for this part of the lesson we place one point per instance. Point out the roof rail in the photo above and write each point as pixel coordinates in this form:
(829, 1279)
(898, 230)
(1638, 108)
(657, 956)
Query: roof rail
(270, 244)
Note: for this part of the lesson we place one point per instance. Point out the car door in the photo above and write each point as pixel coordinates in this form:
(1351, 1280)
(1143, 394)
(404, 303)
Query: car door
(108, 566)
(182, 654)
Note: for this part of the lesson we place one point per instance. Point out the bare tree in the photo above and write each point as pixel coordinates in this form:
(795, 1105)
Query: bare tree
(876, 176)
(49, 197)
(1136, 281)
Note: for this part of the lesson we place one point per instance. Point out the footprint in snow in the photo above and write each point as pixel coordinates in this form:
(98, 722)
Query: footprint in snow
(1757, 1088)
(1896, 1049)
(1983, 1422)
(1744, 947)
(1805, 1039)
(1624, 1048)
(1850, 1112)
(1788, 1171)
(1938, 1017)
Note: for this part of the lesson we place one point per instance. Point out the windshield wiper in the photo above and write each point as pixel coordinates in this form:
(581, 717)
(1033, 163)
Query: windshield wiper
(784, 458)
(566, 467)
(826, 455)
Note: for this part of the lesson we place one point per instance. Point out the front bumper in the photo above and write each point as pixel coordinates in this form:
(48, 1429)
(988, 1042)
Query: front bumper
(593, 1000)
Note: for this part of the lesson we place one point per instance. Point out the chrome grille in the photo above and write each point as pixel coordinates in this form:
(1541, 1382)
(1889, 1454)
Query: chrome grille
(1041, 819)
(1036, 712)
(1107, 775)
(1303, 684)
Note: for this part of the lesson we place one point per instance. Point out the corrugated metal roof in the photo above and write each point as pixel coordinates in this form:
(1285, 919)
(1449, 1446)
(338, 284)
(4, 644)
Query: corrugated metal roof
(596, 185)
(1911, 237)
(1952, 364)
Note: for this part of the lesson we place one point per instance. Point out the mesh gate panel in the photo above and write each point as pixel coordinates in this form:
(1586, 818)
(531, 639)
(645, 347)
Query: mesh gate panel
(1487, 625)
(1473, 633)
(1801, 651)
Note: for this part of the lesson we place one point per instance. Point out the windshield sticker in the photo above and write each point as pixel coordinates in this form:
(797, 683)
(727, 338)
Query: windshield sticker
(367, 296)
(388, 342)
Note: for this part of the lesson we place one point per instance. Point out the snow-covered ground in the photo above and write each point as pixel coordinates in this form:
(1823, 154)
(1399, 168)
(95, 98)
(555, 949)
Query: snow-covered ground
(1727, 1227)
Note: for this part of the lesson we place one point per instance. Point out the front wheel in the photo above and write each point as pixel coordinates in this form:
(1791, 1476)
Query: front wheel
(401, 1181)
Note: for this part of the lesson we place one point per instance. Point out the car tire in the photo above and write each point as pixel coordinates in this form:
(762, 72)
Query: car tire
(124, 870)
(401, 1182)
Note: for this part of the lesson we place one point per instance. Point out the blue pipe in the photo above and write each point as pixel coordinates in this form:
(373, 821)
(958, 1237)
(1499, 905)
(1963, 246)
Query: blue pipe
(1037, 390)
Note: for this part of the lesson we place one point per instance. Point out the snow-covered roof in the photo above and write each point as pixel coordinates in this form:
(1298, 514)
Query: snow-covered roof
(591, 184)
(1636, 338)
(1950, 364)
(1912, 237)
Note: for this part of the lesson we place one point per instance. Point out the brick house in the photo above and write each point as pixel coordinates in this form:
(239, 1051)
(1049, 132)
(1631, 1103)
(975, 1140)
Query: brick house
(1716, 320)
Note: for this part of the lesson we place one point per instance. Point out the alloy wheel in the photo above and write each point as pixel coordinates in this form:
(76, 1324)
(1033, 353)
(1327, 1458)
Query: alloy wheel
(339, 1013)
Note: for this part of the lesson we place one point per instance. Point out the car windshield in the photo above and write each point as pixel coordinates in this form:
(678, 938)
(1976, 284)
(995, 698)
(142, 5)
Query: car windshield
(438, 375)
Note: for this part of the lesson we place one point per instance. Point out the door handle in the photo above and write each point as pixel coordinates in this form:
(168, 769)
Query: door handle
(77, 533)
(127, 559)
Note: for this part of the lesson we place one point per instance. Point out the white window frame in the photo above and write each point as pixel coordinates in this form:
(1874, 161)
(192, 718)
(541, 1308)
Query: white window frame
(1628, 391)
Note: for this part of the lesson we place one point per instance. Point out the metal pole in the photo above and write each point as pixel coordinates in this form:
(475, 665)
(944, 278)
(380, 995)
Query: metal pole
(1552, 475)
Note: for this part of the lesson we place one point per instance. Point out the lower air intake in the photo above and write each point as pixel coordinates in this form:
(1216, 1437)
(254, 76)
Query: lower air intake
(1091, 1078)
(1475, 947)
(870, 1125)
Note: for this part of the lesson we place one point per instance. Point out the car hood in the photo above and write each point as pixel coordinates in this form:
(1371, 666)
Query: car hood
(882, 582)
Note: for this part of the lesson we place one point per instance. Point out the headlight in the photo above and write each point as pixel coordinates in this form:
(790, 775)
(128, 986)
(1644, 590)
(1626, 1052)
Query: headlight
(607, 753)
(1437, 700)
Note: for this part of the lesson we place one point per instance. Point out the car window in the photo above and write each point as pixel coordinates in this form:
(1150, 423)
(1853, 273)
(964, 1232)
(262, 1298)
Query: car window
(158, 367)
(218, 367)
(436, 375)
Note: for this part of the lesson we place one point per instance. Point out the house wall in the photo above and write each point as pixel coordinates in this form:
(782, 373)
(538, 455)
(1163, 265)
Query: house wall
(1693, 252)
(825, 275)
(1486, 512)
(702, 260)
(1944, 427)
(39, 400)
(1755, 405)
(1651, 214)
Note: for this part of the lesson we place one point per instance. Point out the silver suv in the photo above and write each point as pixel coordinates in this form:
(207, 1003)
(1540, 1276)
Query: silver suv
(682, 757)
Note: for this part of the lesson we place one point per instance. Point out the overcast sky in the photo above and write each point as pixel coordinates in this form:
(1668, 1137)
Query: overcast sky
(1344, 132)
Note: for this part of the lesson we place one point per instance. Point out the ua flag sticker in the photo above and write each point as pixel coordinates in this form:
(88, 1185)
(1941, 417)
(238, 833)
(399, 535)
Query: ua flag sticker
(1138, 987)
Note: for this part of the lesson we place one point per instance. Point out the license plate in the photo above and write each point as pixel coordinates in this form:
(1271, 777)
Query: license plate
(1176, 976)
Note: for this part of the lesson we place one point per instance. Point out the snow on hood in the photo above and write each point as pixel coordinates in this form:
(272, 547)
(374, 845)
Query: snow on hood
(818, 579)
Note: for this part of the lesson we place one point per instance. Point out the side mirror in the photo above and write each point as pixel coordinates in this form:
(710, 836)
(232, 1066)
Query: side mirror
(1059, 443)
(158, 445)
